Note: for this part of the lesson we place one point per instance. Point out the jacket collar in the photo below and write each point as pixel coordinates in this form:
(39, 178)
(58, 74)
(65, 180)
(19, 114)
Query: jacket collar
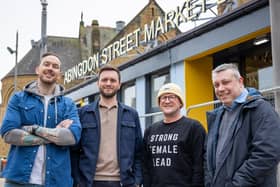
(246, 98)
(94, 106)
(32, 88)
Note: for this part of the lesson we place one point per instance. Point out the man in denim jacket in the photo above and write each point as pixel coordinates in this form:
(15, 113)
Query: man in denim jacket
(39, 124)
(110, 150)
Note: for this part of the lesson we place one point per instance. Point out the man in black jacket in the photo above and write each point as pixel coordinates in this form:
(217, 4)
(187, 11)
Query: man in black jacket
(243, 144)
(173, 148)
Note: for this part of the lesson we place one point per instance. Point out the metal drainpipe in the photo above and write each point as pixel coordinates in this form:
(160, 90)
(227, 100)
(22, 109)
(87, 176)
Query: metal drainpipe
(275, 45)
(274, 6)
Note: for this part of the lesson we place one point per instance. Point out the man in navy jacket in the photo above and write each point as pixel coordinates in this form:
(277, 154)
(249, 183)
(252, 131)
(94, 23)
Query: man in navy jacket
(110, 149)
(243, 146)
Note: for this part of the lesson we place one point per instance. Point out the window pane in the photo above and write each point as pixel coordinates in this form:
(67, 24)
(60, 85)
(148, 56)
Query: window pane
(129, 96)
(258, 68)
(156, 82)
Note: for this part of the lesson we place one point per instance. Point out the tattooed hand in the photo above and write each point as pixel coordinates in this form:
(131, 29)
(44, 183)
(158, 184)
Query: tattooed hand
(21, 137)
(30, 128)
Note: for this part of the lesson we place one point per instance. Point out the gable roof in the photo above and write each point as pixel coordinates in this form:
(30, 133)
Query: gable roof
(67, 48)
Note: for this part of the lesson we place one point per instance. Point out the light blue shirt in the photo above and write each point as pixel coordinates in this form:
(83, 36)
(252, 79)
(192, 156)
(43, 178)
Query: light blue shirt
(240, 99)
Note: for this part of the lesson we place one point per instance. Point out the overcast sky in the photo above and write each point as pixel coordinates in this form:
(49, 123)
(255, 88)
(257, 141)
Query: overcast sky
(63, 17)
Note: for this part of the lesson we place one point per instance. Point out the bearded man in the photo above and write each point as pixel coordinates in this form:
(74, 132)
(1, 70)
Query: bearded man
(40, 124)
(110, 150)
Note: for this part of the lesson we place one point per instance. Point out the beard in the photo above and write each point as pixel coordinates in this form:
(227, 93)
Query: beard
(108, 95)
(48, 77)
(173, 111)
(47, 81)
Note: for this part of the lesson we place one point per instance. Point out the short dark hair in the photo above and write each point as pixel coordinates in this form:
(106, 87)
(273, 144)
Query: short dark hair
(108, 67)
(50, 54)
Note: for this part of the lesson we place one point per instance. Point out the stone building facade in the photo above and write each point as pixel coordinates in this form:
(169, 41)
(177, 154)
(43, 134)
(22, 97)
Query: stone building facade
(71, 51)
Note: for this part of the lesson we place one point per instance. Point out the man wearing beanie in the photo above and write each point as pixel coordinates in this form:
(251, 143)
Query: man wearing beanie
(173, 147)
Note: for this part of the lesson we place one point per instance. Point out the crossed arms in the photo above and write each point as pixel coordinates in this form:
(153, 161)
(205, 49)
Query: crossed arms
(36, 135)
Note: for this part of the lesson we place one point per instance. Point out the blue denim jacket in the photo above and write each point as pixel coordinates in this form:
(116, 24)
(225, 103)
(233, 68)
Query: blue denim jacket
(129, 146)
(27, 108)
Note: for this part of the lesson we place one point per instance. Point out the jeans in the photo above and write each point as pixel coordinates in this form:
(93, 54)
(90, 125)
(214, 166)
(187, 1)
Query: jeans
(109, 184)
(13, 184)
(106, 184)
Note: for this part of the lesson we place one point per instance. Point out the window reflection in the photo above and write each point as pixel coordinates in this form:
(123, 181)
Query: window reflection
(157, 80)
(128, 95)
(258, 69)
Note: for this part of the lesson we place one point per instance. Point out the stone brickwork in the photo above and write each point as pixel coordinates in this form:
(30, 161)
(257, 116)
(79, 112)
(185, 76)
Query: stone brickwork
(7, 91)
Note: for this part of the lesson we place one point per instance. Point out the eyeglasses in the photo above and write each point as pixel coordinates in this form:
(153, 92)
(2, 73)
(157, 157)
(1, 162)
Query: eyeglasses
(169, 97)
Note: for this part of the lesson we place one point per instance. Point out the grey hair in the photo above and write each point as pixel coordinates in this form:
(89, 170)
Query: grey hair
(224, 67)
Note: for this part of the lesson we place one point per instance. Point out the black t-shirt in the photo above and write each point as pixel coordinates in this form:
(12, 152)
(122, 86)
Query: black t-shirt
(173, 155)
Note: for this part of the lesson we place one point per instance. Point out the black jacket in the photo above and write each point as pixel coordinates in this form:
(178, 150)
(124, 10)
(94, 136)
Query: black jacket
(252, 151)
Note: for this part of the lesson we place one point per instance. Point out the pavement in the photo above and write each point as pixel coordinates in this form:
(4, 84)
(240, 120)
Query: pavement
(2, 182)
